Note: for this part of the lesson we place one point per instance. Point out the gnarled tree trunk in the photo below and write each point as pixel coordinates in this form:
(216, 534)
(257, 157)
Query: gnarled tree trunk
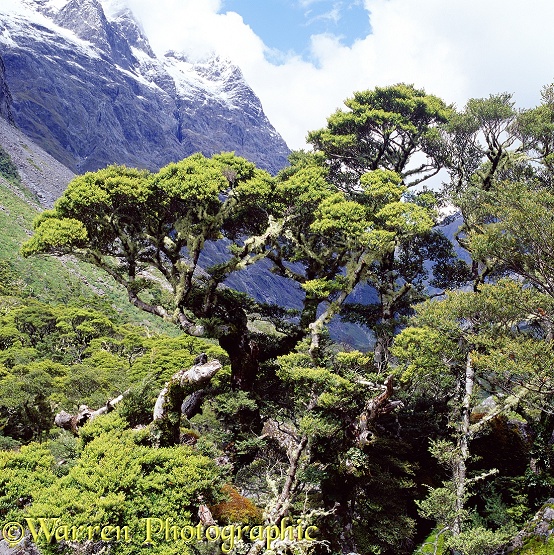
(167, 410)
(168, 407)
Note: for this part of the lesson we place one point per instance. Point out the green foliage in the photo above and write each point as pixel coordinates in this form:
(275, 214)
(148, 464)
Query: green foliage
(536, 546)
(518, 237)
(383, 128)
(221, 424)
(65, 449)
(478, 541)
(382, 187)
(336, 218)
(55, 281)
(8, 169)
(10, 282)
(490, 342)
(324, 403)
(147, 231)
(8, 443)
(119, 482)
(23, 475)
(56, 235)
(59, 357)
(111, 422)
(163, 356)
(138, 405)
(431, 345)
(345, 237)
(439, 507)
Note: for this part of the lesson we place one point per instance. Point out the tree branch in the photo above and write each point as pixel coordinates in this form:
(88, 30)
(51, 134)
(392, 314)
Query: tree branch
(73, 422)
(167, 410)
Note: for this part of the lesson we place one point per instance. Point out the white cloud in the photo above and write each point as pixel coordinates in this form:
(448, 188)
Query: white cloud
(334, 15)
(195, 27)
(456, 49)
(308, 3)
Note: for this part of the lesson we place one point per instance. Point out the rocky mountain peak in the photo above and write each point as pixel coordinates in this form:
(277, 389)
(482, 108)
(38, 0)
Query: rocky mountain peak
(126, 25)
(88, 88)
(87, 20)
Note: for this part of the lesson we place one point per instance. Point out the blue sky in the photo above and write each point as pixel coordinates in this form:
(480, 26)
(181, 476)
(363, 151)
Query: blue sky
(288, 25)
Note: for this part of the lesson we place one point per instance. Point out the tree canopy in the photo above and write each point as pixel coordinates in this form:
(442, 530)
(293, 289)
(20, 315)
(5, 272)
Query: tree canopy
(150, 231)
(436, 439)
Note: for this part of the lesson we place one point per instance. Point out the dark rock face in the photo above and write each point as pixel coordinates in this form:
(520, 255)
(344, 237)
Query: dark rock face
(91, 92)
(5, 95)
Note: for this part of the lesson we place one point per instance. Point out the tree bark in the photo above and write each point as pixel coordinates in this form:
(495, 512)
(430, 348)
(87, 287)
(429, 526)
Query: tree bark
(283, 501)
(376, 407)
(460, 469)
(244, 356)
(167, 410)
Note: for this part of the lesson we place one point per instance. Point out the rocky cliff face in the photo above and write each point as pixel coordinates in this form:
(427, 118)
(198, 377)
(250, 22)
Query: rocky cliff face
(41, 174)
(87, 87)
(5, 95)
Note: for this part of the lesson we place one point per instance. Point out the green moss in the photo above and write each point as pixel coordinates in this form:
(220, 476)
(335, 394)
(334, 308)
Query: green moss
(536, 546)
(432, 545)
(236, 508)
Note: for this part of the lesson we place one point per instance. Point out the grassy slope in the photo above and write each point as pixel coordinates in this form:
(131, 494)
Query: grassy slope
(58, 280)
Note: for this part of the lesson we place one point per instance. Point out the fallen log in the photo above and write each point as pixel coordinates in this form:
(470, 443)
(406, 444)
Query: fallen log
(180, 393)
(73, 422)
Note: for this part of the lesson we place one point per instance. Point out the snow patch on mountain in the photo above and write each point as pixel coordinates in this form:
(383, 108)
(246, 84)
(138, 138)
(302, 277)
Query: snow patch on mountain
(82, 23)
(114, 8)
(19, 19)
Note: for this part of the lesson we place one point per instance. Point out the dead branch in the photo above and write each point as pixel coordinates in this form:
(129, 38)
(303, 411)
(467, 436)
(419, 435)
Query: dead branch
(375, 408)
(72, 422)
(180, 394)
(167, 410)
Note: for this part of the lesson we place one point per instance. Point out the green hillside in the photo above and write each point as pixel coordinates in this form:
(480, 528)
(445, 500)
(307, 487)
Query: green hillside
(68, 329)
(57, 280)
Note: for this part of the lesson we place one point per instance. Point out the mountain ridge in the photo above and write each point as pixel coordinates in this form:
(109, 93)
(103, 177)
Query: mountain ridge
(91, 91)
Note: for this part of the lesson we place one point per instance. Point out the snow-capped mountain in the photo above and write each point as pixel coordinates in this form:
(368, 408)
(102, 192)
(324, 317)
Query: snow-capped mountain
(83, 82)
